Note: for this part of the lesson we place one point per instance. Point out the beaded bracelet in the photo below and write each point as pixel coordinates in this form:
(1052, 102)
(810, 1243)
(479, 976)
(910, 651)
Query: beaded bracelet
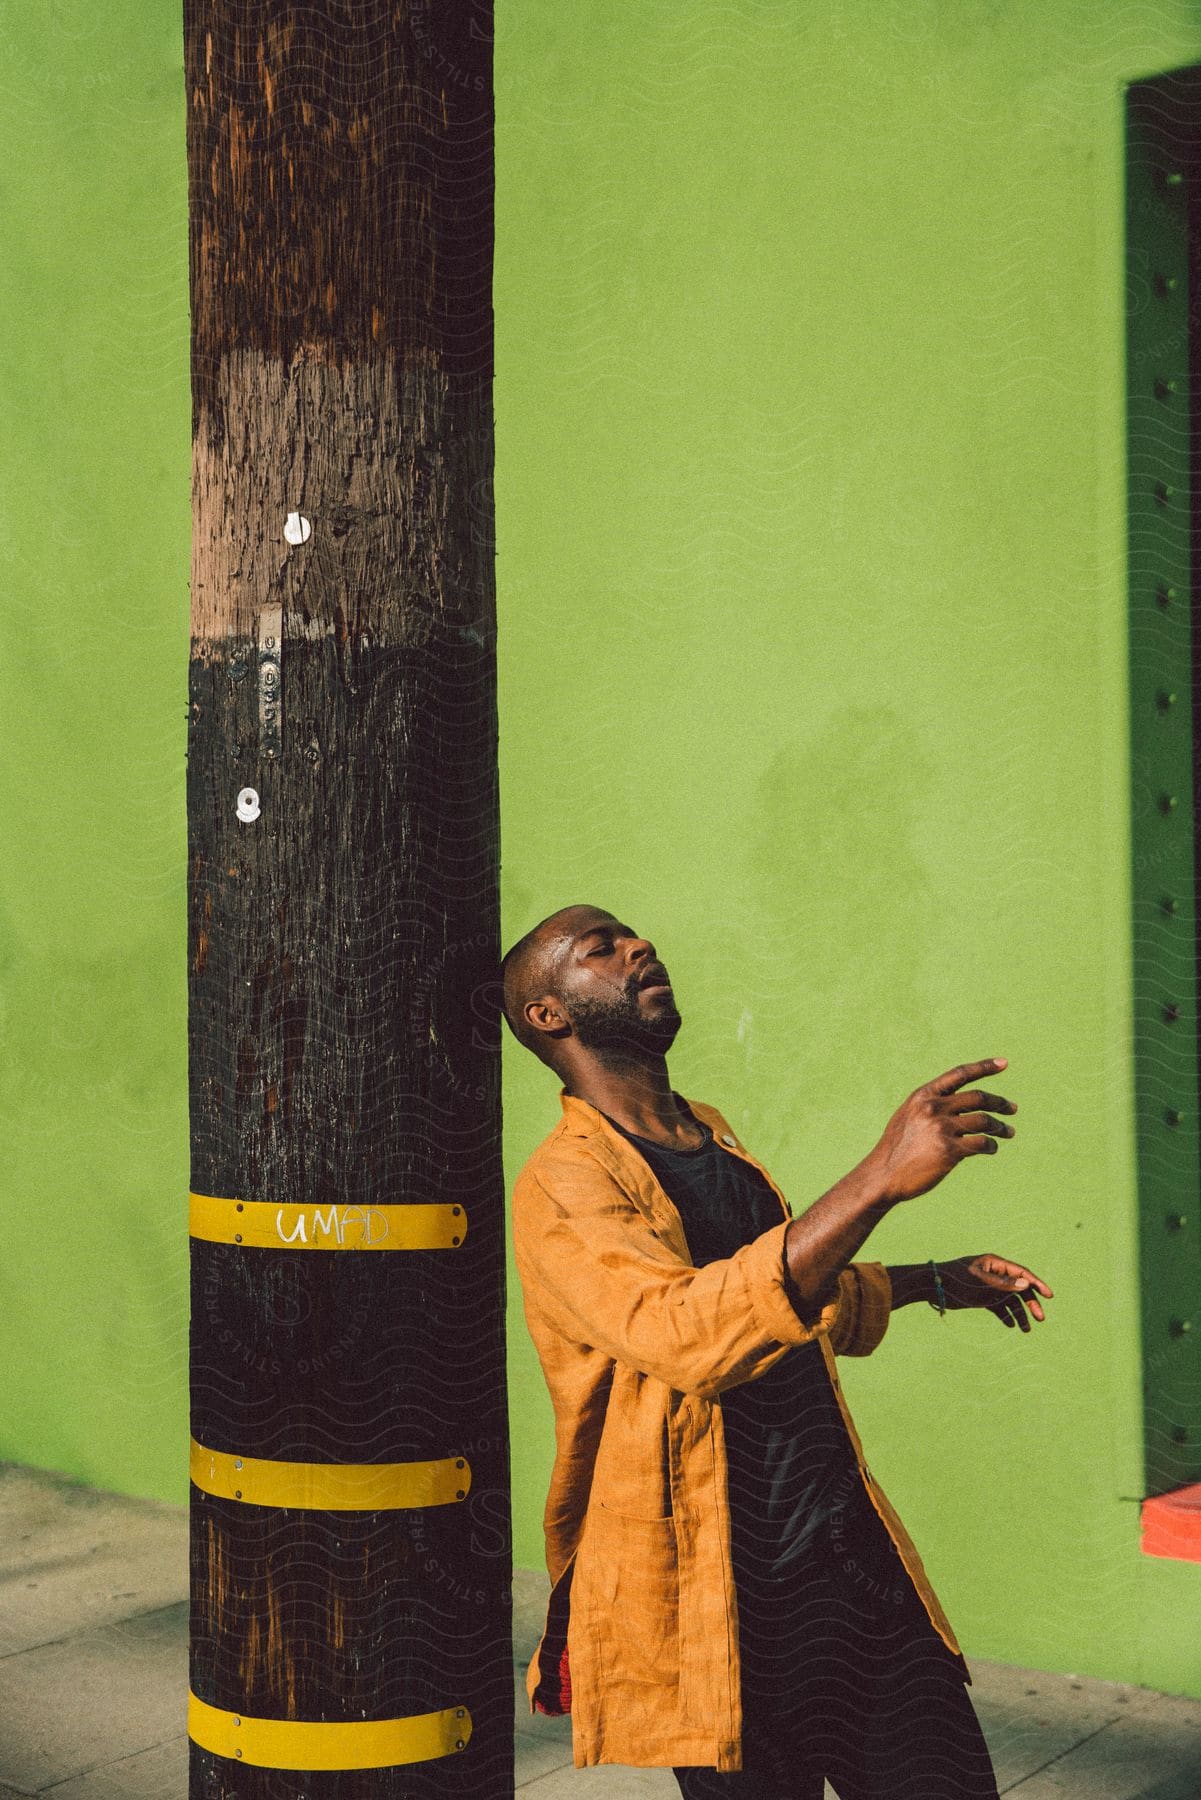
(940, 1305)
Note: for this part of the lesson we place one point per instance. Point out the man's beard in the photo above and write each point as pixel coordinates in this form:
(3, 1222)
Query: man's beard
(621, 1031)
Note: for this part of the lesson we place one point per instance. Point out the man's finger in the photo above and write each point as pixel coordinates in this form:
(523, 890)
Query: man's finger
(980, 1100)
(1001, 1265)
(981, 1121)
(1024, 1302)
(955, 1078)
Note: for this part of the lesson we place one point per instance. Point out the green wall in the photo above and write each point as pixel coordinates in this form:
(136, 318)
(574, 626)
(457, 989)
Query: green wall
(811, 495)
(94, 551)
(811, 502)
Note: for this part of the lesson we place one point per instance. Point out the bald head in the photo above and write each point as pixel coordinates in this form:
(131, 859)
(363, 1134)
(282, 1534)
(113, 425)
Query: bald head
(530, 971)
(583, 991)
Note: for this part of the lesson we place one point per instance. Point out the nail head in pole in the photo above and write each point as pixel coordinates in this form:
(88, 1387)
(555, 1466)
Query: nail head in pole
(297, 529)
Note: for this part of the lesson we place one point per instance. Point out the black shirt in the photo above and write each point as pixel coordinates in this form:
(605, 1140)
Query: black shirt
(793, 1477)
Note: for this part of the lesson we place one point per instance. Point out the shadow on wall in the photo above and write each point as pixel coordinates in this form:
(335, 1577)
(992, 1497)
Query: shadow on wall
(844, 952)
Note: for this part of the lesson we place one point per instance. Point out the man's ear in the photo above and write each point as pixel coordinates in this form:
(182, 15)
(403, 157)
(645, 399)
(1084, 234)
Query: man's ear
(544, 1015)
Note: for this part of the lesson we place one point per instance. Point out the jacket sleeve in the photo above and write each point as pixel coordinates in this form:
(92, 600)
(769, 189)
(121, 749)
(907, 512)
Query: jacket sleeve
(587, 1257)
(865, 1296)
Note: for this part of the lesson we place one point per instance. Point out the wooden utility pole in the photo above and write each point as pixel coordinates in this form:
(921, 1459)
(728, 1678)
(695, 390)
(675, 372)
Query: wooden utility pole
(351, 1565)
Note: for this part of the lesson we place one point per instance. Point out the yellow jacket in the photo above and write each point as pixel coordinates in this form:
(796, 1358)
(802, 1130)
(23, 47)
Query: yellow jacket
(637, 1346)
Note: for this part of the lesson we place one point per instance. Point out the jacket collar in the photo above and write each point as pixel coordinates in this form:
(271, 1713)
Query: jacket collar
(581, 1119)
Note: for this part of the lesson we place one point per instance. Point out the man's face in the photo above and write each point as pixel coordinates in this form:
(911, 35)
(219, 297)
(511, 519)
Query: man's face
(612, 986)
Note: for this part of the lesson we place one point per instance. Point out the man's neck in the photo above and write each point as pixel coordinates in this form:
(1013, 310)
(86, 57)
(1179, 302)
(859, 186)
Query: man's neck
(641, 1099)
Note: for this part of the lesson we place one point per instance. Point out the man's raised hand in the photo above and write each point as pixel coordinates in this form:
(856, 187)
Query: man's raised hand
(937, 1126)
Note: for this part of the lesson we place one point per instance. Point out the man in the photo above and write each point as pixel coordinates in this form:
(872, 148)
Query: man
(732, 1594)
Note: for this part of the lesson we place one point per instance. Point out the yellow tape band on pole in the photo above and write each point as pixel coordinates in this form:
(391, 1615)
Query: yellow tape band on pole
(309, 1745)
(329, 1487)
(261, 1225)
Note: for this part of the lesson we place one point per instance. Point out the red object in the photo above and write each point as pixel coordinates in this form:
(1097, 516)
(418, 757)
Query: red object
(561, 1702)
(1172, 1524)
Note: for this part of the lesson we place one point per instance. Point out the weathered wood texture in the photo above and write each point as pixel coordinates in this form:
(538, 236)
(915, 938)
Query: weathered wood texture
(343, 1029)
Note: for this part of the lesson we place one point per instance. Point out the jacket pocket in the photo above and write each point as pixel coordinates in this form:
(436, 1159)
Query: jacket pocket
(629, 1569)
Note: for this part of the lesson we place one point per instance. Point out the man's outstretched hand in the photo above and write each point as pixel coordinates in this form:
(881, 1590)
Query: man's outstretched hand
(1005, 1288)
(929, 1134)
(936, 1127)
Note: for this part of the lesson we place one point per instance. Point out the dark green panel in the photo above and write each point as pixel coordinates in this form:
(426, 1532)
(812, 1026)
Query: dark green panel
(1162, 297)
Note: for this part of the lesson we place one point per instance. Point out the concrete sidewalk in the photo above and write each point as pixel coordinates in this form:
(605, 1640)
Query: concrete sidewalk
(93, 1678)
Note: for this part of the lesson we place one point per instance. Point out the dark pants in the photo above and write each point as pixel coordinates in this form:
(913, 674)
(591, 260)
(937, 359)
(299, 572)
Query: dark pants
(845, 1679)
